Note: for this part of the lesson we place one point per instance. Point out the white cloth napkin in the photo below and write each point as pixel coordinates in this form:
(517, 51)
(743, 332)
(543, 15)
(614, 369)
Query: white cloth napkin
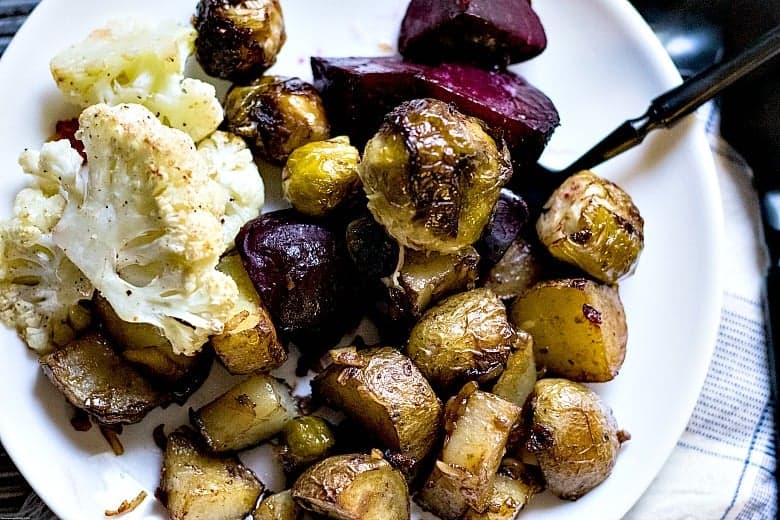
(723, 466)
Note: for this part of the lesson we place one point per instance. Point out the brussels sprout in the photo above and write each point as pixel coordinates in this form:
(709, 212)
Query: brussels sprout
(238, 39)
(319, 176)
(592, 223)
(465, 337)
(432, 175)
(307, 439)
(276, 115)
(574, 436)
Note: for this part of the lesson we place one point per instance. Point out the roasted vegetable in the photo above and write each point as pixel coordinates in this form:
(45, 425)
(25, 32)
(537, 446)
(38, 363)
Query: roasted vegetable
(253, 411)
(517, 381)
(432, 176)
(592, 223)
(516, 271)
(574, 437)
(238, 39)
(97, 380)
(425, 278)
(353, 487)
(507, 222)
(477, 426)
(373, 252)
(320, 176)
(358, 92)
(143, 344)
(465, 337)
(579, 328)
(513, 488)
(279, 506)
(383, 391)
(306, 439)
(198, 485)
(276, 115)
(302, 272)
(490, 35)
(249, 342)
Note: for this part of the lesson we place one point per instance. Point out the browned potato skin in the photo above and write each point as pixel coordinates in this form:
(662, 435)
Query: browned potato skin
(198, 485)
(353, 487)
(382, 390)
(249, 342)
(477, 425)
(465, 337)
(574, 437)
(279, 506)
(97, 380)
(143, 345)
(578, 326)
(253, 411)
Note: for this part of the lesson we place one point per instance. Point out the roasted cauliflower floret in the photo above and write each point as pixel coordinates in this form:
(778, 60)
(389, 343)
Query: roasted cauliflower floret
(40, 288)
(143, 224)
(134, 61)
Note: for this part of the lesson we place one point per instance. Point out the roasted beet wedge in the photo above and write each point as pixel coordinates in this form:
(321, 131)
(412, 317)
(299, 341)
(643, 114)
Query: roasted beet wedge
(487, 34)
(358, 92)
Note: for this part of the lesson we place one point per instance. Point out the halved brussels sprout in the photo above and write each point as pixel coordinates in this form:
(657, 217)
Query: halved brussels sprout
(432, 175)
(238, 39)
(592, 223)
(320, 176)
(276, 115)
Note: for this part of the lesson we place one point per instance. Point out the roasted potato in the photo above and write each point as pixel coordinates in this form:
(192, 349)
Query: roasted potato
(432, 175)
(427, 277)
(143, 344)
(276, 115)
(384, 392)
(238, 39)
(198, 485)
(465, 337)
(279, 506)
(253, 411)
(592, 223)
(517, 381)
(517, 270)
(94, 378)
(249, 342)
(574, 437)
(353, 487)
(306, 439)
(321, 176)
(477, 426)
(513, 488)
(578, 325)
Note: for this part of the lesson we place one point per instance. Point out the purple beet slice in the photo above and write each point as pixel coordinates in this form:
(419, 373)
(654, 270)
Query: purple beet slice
(358, 92)
(490, 34)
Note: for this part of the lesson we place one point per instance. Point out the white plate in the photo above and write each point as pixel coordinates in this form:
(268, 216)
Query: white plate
(602, 66)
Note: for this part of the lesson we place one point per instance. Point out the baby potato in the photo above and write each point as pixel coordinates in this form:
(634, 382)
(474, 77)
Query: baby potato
(574, 436)
(592, 223)
(465, 337)
(578, 327)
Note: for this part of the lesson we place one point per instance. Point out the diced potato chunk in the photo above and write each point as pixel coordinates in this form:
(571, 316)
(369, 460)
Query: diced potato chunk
(251, 412)
(249, 342)
(197, 485)
(579, 328)
(517, 381)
